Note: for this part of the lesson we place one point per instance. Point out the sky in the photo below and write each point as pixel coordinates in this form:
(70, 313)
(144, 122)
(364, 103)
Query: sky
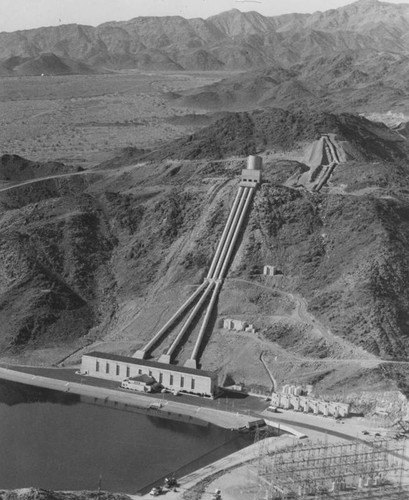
(25, 14)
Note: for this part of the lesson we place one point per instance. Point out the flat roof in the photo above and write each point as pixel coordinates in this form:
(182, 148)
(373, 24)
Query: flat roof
(143, 378)
(149, 363)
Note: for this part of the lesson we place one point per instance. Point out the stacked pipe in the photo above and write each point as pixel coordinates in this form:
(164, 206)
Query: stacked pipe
(333, 160)
(215, 276)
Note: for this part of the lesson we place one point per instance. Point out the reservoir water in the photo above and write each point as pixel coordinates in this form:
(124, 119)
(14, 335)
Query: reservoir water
(54, 441)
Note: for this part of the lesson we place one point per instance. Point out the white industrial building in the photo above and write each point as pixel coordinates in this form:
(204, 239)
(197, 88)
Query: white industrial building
(173, 377)
(292, 401)
(269, 270)
(238, 325)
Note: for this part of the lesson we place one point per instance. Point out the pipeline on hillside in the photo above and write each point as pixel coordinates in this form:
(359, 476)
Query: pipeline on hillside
(249, 180)
(333, 161)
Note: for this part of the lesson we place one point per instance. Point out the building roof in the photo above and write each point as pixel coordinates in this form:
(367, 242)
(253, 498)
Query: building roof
(146, 379)
(149, 363)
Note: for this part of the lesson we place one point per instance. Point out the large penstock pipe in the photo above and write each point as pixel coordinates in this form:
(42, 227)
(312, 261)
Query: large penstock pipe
(225, 232)
(166, 358)
(326, 175)
(192, 362)
(248, 195)
(333, 150)
(229, 237)
(232, 239)
(143, 352)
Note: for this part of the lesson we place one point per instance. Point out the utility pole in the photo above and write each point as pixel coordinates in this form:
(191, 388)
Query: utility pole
(99, 486)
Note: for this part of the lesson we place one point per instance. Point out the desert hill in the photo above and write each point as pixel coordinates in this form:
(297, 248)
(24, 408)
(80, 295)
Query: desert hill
(44, 64)
(241, 134)
(16, 168)
(355, 81)
(104, 256)
(231, 40)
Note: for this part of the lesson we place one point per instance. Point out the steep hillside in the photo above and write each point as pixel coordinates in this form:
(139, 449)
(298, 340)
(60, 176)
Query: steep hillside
(50, 64)
(241, 134)
(44, 64)
(231, 40)
(105, 256)
(54, 251)
(15, 168)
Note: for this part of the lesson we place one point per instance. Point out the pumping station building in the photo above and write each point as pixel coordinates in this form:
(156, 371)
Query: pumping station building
(172, 377)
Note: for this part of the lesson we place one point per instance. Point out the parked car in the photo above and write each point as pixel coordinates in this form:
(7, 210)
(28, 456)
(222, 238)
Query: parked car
(273, 409)
(157, 405)
(171, 482)
(156, 491)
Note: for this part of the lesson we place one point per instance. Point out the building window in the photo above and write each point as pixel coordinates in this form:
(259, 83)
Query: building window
(150, 373)
(107, 368)
(192, 383)
(160, 378)
(171, 379)
(97, 366)
(182, 381)
(139, 372)
(128, 371)
(117, 369)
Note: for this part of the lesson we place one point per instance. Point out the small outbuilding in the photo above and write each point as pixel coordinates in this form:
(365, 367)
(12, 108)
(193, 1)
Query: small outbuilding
(141, 383)
(269, 270)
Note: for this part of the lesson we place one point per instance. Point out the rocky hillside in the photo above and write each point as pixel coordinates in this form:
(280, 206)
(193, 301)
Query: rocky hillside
(231, 40)
(241, 134)
(106, 255)
(43, 64)
(355, 81)
(39, 494)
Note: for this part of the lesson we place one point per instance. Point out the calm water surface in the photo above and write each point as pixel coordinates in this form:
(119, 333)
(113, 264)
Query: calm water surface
(52, 440)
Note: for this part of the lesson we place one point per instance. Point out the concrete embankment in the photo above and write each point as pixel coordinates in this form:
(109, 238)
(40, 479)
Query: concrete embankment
(120, 399)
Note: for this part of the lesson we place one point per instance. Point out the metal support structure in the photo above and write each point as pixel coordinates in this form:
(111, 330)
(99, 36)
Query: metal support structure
(338, 470)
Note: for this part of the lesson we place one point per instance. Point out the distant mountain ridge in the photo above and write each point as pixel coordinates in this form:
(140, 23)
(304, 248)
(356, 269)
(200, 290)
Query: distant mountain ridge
(354, 81)
(230, 40)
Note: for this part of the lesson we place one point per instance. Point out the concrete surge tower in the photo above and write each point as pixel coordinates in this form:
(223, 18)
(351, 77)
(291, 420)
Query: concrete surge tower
(250, 179)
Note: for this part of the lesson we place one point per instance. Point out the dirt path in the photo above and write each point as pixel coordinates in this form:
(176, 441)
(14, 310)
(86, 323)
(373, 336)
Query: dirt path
(273, 380)
(302, 315)
(69, 174)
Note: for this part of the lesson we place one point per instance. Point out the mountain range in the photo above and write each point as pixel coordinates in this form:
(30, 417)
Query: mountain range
(232, 40)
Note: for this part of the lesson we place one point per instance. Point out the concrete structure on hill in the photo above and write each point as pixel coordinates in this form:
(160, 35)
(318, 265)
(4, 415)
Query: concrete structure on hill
(172, 377)
(251, 176)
